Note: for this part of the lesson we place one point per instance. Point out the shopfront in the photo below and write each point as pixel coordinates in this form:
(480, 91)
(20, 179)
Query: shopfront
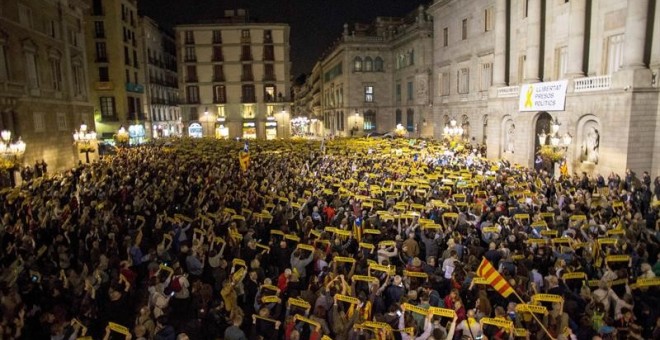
(271, 128)
(249, 129)
(195, 130)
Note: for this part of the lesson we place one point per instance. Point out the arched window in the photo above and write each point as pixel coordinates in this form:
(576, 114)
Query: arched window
(357, 64)
(368, 64)
(378, 64)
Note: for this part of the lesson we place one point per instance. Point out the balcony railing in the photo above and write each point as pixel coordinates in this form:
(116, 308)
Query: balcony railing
(508, 91)
(132, 87)
(247, 77)
(248, 99)
(589, 84)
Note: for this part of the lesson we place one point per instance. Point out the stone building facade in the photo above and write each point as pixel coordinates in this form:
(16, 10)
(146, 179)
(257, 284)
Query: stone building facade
(43, 77)
(607, 52)
(235, 77)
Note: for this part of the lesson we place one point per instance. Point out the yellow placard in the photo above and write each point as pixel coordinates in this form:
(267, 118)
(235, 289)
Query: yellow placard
(617, 231)
(547, 298)
(292, 237)
(262, 246)
(342, 232)
(364, 278)
(648, 282)
(549, 233)
(502, 323)
(238, 262)
(617, 258)
(341, 259)
(493, 229)
(562, 240)
(299, 303)
(381, 268)
(305, 247)
(277, 232)
(443, 312)
(376, 325)
(539, 223)
(415, 309)
(346, 298)
(366, 245)
(386, 243)
(118, 328)
(371, 231)
(523, 307)
(536, 241)
(238, 217)
(520, 332)
(270, 299)
(578, 217)
(415, 274)
(574, 276)
(431, 226)
(518, 257)
(479, 281)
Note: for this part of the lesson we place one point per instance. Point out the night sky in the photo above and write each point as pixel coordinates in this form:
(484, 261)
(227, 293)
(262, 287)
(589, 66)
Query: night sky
(315, 24)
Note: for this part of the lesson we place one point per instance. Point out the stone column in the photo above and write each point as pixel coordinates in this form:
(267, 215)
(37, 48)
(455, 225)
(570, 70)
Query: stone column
(576, 38)
(499, 62)
(633, 56)
(533, 41)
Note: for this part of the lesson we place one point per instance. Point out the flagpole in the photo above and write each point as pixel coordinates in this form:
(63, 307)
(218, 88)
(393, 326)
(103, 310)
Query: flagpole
(533, 315)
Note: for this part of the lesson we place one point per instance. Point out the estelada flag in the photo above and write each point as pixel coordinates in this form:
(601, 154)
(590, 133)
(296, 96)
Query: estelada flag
(490, 274)
(244, 160)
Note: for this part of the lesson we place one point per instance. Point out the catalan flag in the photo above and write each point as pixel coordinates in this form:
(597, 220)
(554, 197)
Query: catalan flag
(244, 157)
(490, 274)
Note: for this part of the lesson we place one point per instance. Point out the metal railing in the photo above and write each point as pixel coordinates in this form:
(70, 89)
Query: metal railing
(588, 84)
(508, 91)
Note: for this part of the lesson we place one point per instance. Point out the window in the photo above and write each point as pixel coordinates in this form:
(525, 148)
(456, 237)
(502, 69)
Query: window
(73, 37)
(4, 64)
(614, 53)
(410, 91)
(368, 64)
(561, 62)
(464, 29)
(191, 73)
(217, 53)
(56, 73)
(269, 93)
(246, 52)
(103, 74)
(39, 121)
(397, 92)
(368, 94)
(486, 76)
(31, 65)
(217, 37)
(97, 7)
(248, 111)
(79, 84)
(488, 19)
(192, 94)
(247, 94)
(340, 121)
(101, 53)
(398, 117)
(445, 83)
(127, 56)
(525, 9)
(190, 54)
(61, 121)
(219, 94)
(190, 37)
(218, 73)
(268, 36)
(108, 107)
(247, 73)
(128, 76)
(245, 33)
(269, 72)
(136, 61)
(99, 29)
(25, 15)
(445, 36)
(357, 64)
(521, 68)
(410, 120)
(369, 121)
(269, 53)
(463, 80)
(54, 29)
(378, 64)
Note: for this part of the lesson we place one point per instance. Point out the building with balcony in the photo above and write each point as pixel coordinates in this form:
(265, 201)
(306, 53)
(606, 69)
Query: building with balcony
(376, 76)
(43, 77)
(161, 82)
(116, 68)
(234, 77)
(506, 69)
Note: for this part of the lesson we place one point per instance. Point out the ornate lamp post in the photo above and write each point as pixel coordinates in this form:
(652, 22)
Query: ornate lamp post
(11, 154)
(85, 140)
(452, 130)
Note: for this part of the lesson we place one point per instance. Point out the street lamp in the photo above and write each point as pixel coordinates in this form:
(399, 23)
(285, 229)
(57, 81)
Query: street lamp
(11, 153)
(452, 130)
(85, 140)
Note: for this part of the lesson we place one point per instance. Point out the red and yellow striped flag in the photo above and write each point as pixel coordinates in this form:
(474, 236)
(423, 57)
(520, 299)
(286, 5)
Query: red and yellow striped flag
(490, 274)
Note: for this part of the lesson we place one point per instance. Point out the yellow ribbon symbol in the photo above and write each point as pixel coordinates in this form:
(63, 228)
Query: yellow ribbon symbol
(528, 101)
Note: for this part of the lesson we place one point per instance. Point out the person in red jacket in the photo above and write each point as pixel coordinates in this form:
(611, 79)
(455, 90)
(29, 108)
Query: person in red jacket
(290, 333)
(283, 279)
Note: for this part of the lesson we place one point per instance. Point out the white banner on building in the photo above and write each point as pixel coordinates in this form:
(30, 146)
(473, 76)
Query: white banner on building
(547, 96)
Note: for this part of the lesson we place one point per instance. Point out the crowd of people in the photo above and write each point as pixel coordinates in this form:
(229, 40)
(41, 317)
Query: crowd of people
(345, 239)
